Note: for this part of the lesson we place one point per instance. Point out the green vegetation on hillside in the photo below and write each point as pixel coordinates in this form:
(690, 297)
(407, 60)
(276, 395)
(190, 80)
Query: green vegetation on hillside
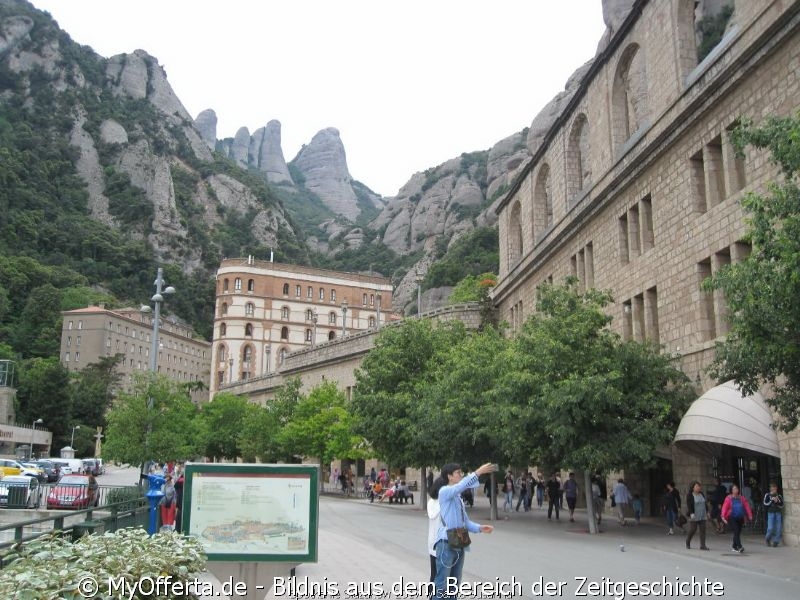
(472, 254)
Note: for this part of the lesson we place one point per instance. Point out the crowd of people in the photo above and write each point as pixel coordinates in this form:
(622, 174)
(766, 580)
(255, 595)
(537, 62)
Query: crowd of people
(170, 503)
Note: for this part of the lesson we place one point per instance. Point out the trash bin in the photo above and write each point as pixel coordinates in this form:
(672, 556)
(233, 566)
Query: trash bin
(87, 528)
(17, 496)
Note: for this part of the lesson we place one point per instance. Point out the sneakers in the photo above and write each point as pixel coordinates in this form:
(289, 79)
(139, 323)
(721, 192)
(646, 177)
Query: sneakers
(670, 532)
(768, 543)
(704, 548)
(740, 550)
(774, 544)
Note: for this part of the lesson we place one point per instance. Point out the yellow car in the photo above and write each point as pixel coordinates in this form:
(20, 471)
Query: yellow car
(10, 467)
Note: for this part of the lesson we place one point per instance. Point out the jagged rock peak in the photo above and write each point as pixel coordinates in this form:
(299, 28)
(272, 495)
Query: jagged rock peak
(241, 147)
(270, 156)
(206, 124)
(614, 14)
(323, 163)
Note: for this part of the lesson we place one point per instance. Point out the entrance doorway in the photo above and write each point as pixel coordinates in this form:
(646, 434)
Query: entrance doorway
(659, 476)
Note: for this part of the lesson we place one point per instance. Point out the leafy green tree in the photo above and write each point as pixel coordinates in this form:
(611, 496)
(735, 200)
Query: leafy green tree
(582, 398)
(93, 389)
(43, 393)
(762, 291)
(221, 422)
(258, 439)
(168, 431)
(38, 329)
(322, 426)
(388, 399)
(473, 288)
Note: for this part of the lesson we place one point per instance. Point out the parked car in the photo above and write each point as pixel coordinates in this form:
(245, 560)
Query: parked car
(10, 467)
(34, 470)
(72, 491)
(90, 467)
(101, 465)
(63, 467)
(51, 470)
(27, 486)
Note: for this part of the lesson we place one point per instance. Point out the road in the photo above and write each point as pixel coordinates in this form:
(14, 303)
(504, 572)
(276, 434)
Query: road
(360, 542)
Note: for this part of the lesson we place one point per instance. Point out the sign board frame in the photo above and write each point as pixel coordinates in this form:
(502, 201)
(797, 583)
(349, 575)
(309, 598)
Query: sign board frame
(260, 478)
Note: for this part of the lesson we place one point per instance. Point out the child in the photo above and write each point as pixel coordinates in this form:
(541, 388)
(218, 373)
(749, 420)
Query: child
(637, 507)
(774, 503)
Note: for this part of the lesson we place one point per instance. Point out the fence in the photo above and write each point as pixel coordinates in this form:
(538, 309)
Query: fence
(32, 494)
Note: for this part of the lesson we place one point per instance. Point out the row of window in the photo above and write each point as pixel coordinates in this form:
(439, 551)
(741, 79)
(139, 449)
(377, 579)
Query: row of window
(640, 317)
(712, 307)
(237, 285)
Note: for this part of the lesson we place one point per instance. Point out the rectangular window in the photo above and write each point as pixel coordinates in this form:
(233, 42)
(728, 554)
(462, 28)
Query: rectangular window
(624, 255)
(69, 341)
(627, 321)
(78, 341)
(322, 293)
(697, 179)
(651, 311)
(639, 332)
(108, 342)
(77, 356)
(589, 265)
(646, 214)
(715, 174)
(740, 251)
(69, 326)
(333, 295)
(372, 299)
(582, 269)
(721, 260)
(80, 324)
(634, 246)
(310, 292)
(736, 170)
(66, 357)
(706, 323)
(298, 290)
(364, 299)
(237, 284)
(573, 265)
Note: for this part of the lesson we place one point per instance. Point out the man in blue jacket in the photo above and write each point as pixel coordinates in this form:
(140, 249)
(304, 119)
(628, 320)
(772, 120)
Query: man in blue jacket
(450, 561)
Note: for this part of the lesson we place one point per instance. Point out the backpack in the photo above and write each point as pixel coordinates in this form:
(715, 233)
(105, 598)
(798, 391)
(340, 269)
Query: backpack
(737, 508)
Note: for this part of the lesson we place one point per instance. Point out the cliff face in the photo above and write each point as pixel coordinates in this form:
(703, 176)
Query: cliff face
(132, 137)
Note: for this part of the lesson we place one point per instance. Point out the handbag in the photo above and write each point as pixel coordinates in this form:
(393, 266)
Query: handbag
(458, 537)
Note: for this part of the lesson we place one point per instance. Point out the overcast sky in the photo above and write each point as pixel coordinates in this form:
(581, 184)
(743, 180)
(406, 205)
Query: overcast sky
(408, 83)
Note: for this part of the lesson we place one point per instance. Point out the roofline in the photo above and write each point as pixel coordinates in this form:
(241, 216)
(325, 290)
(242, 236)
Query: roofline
(232, 263)
(598, 62)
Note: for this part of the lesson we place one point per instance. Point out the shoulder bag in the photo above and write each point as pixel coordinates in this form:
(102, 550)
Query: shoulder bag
(458, 537)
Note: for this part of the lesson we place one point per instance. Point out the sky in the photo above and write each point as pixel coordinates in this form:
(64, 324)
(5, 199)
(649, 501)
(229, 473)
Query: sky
(409, 84)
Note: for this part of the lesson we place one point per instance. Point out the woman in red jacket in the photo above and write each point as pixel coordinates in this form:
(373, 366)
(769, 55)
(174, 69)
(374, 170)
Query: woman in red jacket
(735, 510)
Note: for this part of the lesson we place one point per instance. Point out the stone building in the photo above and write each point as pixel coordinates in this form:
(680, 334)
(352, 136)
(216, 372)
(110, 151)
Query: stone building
(633, 186)
(87, 334)
(265, 311)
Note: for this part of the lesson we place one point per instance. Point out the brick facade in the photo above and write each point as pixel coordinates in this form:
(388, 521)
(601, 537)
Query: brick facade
(646, 203)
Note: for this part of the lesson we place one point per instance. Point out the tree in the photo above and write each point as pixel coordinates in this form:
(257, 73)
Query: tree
(168, 431)
(258, 438)
(583, 398)
(322, 426)
(762, 346)
(43, 393)
(93, 389)
(220, 423)
(388, 394)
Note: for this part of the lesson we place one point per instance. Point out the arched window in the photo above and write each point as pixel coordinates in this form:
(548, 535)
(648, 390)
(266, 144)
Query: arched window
(224, 285)
(322, 293)
(308, 335)
(542, 201)
(247, 353)
(298, 290)
(333, 295)
(221, 352)
(578, 171)
(309, 314)
(364, 299)
(285, 289)
(372, 321)
(223, 309)
(310, 292)
(284, 333)
(515, 246)
(372, 299)
(331, 318)
(285, 312)
(282, 355)
(331, 335)
(251, 285)
(249, 309)
(248, 330)
(629, 96)
(237, 284)
(223, 329)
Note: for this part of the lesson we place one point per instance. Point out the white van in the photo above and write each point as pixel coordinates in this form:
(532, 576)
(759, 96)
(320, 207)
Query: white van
(73, 465)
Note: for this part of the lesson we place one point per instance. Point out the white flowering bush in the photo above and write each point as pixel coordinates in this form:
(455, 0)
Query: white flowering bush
(52, 567)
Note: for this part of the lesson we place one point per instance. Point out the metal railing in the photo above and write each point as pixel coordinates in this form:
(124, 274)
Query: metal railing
(53, 496)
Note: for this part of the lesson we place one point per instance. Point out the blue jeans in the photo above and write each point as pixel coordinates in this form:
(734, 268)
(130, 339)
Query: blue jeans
(449, 563)
(509, 501)
(774, 525)
(672, 516)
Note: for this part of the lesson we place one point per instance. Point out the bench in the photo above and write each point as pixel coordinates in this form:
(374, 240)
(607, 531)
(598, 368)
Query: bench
(402, 498)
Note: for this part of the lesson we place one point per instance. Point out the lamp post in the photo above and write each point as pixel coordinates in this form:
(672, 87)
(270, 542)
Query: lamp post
(378, 310)
(314, 319)
(230, 370)
(72, 439)
(33, 431)
(344, 318)
(418, 278)
(157, 299)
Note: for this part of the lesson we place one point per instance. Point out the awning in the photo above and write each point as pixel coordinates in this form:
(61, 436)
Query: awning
(722, 416)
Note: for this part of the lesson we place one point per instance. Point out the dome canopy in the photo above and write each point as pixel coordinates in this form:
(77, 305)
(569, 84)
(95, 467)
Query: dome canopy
(723, 416)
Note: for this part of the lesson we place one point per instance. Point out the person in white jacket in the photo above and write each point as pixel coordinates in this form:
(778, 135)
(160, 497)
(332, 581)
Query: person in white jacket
(433, 522)
(622, 497)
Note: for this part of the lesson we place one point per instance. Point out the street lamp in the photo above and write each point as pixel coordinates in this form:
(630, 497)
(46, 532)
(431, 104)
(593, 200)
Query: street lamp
(344, 318)
(230, 370)
(418, 278)
(378, 323)
(33, 431)
(72, 439)
(157, 299)
(314, 319)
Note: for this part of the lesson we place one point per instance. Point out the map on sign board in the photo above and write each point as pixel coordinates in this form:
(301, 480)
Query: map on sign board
(252, 513)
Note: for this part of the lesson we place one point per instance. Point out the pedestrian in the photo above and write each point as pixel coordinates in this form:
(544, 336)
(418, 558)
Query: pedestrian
(560, 491)
(169, 506)
(372, 475)
(433, 522)
(774, 503)
(597, 500)
(453, 516)
(508, 490)
(637, 506)
(671, 504)
(571, 494)
(540, 488)
(553, 496)
(736, 511)
(523, 492)
(179, 482)
(93, 490)
(696, 512)
(716, 498)
(622, 498)
(529, 498)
